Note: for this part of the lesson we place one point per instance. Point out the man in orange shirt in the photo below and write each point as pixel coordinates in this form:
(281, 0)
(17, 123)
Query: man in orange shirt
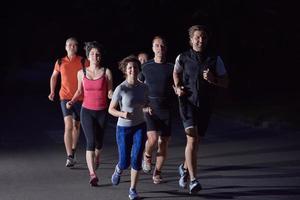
(68, 67)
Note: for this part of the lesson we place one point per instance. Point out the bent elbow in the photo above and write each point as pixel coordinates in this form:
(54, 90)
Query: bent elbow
(110, 111)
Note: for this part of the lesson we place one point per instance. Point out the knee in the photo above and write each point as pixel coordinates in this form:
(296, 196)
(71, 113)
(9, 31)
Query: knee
(152, 138)
(191, 132)
(163, 141)
(192, 142)
(68, 128)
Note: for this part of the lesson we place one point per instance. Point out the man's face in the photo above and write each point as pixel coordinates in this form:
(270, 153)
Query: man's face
(159, 48)
(198, 40)
(71, 47)
(142, 58)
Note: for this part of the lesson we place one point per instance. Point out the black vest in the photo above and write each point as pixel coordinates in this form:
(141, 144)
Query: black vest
(199, 91)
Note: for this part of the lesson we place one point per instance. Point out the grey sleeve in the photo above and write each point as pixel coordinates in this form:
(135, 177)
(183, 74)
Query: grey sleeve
(220, 68)
(117, 94)
(178, 67)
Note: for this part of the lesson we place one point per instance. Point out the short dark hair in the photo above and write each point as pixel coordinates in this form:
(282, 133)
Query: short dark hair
(88, 46)
(142, 52)
(160, 37)
(72, 39)
(124, 62)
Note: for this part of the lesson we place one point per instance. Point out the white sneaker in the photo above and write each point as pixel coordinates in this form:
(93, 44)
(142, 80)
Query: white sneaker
(70, 162)
(146, 164)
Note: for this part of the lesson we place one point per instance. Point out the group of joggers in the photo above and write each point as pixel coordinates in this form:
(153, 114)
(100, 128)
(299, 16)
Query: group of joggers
(141, 103)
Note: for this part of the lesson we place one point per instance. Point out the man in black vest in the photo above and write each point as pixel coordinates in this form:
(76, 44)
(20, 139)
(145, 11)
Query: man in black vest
(196, 75)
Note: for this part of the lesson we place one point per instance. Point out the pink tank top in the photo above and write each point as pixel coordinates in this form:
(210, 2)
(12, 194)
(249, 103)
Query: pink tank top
(95, 93)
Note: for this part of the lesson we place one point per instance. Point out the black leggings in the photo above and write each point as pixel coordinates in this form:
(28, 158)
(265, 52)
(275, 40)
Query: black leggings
(93, 122)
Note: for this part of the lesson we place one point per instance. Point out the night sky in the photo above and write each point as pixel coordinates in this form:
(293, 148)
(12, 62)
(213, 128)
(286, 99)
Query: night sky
(258, 40)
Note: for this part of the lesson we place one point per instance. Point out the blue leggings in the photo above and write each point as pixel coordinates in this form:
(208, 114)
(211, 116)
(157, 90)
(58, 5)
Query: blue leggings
(131, 144)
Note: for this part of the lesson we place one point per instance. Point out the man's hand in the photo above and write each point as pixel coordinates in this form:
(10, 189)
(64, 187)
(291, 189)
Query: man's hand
(51, 96)
(209, 77)
(69, 104)
(179, 90)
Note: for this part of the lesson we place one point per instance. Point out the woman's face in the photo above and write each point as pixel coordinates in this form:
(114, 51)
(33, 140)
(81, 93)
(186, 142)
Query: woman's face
(132, 70)
(94, 56)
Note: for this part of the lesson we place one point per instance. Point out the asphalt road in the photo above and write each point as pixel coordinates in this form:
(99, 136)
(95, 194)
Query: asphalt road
(236, 161)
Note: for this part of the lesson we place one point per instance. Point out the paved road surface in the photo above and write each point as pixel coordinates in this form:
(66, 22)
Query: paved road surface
(235, 160)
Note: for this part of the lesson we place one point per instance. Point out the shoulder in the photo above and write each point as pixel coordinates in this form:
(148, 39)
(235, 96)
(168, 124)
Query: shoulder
(80, 73)
(79, 57)
(186, 53)
(214, 58)
(107, 71)
(149, 61)
(108, 74)
(118, 89)
(182, 56)
(122, 86)
(61, 60)
(148, 64)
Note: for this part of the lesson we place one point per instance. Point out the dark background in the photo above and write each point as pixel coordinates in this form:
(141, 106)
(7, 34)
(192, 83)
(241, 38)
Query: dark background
(258, 40)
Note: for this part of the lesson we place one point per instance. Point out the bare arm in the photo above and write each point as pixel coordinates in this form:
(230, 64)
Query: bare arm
(79, 90)
(178, 88)
(114, 112)
(53, 82)
(110, 83)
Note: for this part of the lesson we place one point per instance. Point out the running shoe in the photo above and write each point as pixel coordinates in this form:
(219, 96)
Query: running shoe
(116, 177)
(93, 180)
(184, 174)
(195, 186)
(133, 195)
(157, 179)
(70, 162)
(146, 164)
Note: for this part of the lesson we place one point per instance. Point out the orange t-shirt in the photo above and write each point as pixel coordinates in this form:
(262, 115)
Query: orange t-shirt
(68, 70)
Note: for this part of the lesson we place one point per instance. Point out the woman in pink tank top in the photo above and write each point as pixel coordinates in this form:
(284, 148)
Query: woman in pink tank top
(95, 82)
